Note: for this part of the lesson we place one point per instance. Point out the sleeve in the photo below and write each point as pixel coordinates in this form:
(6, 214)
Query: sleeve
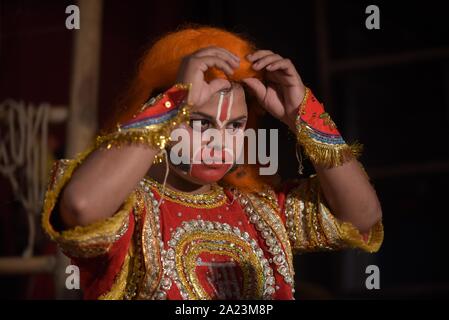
(105, 250)
(312, 227)
(89, 241)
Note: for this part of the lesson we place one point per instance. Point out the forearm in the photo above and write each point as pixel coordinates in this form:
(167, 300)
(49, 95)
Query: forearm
(102, 182)
(344, 183)
(349, 194)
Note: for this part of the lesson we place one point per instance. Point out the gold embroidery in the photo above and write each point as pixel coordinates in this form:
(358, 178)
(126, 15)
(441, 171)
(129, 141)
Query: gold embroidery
(151, 248)
(215, 198)
(311, 226)
(329, 155)
(141, 273)
(121, 280)
(232, 247)
(320, 152)
(269, 224)
(197, 236)
(155, 136)
(91, 240)
(328, 121)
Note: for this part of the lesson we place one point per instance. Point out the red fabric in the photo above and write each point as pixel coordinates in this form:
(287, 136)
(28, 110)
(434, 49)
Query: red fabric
(98, 274)
(171, 100)
(282, 195)
(311, 115)
(230, 213)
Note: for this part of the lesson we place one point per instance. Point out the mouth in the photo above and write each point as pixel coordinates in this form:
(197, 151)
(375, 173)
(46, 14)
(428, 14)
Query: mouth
(215, 165)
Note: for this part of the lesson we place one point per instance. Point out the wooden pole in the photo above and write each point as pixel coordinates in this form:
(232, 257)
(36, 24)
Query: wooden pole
(82, 121)
(82, 124)
(26, 266)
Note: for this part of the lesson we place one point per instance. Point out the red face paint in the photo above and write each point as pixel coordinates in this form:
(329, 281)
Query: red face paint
(224, 108)
(209, 163)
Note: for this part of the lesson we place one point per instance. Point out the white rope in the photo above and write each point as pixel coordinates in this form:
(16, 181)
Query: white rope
(23, 157)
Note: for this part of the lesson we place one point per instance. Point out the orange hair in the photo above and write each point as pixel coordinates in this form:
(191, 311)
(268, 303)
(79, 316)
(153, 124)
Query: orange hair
(158, 70)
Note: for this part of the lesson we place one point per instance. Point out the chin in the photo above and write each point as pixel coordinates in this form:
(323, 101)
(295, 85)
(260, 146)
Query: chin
(204, 174)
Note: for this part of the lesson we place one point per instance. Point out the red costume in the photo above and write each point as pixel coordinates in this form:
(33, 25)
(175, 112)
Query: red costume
(230, 243)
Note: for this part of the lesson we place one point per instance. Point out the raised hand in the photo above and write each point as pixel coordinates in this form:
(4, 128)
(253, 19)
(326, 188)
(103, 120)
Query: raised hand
(283, 91)
(195, 65)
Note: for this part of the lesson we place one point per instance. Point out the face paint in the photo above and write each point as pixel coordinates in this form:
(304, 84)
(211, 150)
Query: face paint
(224, 107)
(210, 162)
(214, 160)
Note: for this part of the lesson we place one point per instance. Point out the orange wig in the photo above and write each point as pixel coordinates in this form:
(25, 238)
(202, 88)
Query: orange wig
(158, 70)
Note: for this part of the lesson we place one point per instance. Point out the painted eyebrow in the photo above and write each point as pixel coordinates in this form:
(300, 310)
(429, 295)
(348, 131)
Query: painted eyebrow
(211, 119)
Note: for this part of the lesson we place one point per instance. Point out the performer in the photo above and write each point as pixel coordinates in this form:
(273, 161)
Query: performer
(199, 229)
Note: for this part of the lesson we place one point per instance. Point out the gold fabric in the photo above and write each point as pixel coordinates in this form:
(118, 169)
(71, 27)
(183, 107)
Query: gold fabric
(88, 241)
(311, 225)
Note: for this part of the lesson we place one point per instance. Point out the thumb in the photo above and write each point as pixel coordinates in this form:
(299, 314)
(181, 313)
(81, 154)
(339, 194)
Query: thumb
(257, 87)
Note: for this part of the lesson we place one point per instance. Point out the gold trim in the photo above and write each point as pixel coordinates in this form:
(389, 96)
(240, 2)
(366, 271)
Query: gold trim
(117, 290)
(212, 199)
(312, 226)
(273, 220)
(271, 227)
(353, 238)
(155, 136)
(87, 241)
(186, 254)
(327, 155)
(151, 250)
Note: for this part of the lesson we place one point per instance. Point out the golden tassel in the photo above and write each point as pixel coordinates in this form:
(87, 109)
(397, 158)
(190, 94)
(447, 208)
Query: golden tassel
(328, 155)
(156, 136)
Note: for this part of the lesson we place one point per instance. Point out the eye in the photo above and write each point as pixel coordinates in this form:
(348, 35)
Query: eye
(205, 124)
(234, 126)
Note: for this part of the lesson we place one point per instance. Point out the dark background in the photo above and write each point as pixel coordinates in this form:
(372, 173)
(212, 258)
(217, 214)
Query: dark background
(387, 88)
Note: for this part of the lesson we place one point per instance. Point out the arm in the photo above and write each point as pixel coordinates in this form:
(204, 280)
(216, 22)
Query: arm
(350, 195)
(107, 176)
(94, 204)
(91, 200)
(102, 183)
(345, 185)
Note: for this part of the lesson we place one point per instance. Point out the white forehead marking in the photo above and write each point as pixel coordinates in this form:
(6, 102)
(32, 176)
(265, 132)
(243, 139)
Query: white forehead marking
(228, 107)
(220, 104)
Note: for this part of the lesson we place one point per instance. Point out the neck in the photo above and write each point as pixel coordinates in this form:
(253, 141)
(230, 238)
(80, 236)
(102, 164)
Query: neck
(176, 181)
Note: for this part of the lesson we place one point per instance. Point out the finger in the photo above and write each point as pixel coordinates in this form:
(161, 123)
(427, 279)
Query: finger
(212, 61)
(284, 64)
(226, 51)
(258, 54)
(263, 62)
(221, 52)
(257, 87)
(231, 54)
(225, 57)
